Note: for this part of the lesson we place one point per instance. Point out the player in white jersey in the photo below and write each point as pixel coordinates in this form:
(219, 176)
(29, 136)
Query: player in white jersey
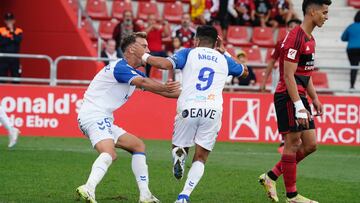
(109, 90)
(199, 107)
(12, 131)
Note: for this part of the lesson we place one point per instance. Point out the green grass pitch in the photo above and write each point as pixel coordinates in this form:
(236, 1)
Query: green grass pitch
(42, 169)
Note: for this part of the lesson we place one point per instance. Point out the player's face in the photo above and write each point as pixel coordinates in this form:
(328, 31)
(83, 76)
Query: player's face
(143, 42)
(320, 15)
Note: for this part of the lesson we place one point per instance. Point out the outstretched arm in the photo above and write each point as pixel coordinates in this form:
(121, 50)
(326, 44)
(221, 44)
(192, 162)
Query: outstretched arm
(170, 89)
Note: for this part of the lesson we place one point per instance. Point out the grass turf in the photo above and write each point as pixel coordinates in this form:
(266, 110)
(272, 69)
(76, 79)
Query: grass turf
(43, 169)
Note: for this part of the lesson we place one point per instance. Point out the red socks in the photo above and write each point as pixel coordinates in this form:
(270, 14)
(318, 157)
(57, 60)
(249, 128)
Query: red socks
(288, 163)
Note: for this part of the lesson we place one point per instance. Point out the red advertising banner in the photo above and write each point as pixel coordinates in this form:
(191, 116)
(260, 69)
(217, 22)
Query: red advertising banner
(52, 111)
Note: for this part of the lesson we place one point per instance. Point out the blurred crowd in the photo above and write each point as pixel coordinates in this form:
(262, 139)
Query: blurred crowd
(165, 39)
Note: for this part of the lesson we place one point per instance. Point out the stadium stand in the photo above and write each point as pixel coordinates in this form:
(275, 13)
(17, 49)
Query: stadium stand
(97, 9)
(173, 12)
(327, 54)
(146, 8)
(118, 8)
(281, 33)
(238, 36)
(106, 29)
(320, 79)
(354, 3)
(253, 54)
(263, 37)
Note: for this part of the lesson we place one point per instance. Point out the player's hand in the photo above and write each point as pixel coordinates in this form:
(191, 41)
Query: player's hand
(318, 107)
(173, 86)
(220, 45)
(137, 50)
(303, 118)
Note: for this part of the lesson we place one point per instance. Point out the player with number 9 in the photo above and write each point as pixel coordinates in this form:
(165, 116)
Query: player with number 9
(199, 106)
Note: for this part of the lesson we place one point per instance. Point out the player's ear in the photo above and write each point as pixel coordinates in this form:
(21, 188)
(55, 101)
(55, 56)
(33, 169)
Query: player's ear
(131, 49)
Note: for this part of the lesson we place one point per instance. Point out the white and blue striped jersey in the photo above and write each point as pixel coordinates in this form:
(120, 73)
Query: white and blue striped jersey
(204, 73)
(109, 90)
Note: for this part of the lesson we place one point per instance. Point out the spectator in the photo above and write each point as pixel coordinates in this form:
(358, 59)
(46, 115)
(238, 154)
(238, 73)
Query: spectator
(155, 32)
(110, 51)
(185, 32)
(223, 17)
(125, 27)
(282, 12)
(250, 80)
(242, 11)
(352, 36)
(211, 10)
(10, 39)
(176, 46)
(197, 10)
(262, 12)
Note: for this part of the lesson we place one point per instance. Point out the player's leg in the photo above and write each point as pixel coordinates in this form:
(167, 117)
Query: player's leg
(99, 168)
(185, 128)
(286, 123)
(195, 173)
(103, 141)
(205, 139)
(12, 131)
(136, 147)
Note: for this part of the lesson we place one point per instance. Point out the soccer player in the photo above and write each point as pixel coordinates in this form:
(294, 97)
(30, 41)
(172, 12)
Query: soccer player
(271, 65)
(108, 91)
(199, 107)
(12, 131)
(293, 112)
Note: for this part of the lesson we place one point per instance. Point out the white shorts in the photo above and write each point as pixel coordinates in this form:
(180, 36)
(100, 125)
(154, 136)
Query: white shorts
(100, 129)
(197, 126)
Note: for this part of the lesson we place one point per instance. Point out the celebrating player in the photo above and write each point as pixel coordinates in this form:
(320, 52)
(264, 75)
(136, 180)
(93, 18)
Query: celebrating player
(293, 112)
(199, 107)
(109, 90)
(12, 131)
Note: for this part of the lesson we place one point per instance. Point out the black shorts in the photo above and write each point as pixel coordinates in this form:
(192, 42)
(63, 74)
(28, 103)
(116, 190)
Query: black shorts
(285, 113)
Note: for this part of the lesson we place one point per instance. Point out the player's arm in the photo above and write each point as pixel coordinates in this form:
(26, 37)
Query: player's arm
(174, 86)
(301, 113)
(178, 60)
(169, 90)
(236, 69)
(314, 97)
(267, 72)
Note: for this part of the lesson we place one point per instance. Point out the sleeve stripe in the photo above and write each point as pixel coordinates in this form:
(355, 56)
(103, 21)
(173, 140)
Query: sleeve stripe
(131, 79)
(172, 62)
(298, 40)
(243, 69)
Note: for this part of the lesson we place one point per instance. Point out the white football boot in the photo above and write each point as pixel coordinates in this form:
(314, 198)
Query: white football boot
(179, 157)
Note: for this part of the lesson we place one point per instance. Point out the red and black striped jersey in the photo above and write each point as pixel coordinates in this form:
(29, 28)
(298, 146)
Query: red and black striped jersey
(298, 48)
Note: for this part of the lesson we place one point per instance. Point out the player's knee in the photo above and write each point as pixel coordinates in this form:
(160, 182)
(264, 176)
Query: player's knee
(113, 155)
(139, 146)
(311, 148)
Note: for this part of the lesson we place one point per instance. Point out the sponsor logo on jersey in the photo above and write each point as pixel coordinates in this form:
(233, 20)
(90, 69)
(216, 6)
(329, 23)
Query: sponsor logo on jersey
(199, 112)
(244, 119)
(292, 54)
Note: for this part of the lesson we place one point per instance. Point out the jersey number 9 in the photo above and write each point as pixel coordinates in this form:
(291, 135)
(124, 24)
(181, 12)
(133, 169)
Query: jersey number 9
(206, 76)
